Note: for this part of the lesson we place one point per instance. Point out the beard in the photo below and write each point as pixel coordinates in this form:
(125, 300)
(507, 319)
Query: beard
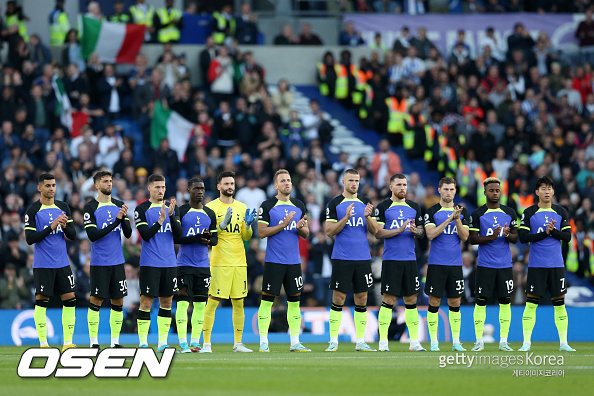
(105, 191)
(227, 193)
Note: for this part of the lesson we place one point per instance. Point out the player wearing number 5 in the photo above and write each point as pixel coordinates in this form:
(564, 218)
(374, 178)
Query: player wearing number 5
(493, 227)
(348, 219)
(282, 220)
(446, 227)
(228, 265)
(545, 225)
(104, 219)
(47, 225)
(157, 223)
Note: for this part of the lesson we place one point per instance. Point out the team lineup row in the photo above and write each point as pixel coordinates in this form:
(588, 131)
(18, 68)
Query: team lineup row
(225, 223)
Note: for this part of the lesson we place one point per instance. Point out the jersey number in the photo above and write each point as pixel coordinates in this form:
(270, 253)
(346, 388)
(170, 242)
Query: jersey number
(207, 281)
(123, 285)
(369, 279)
(510, 285)
(562, 283)
(174, 283)
(459, 285)
(71, 280)
(299, 282)
(417, 283)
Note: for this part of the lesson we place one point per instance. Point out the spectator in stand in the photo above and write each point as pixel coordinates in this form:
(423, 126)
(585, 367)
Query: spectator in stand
(12, 288)
(307, 37)
(283, 99)
(205, 57)
(402, 42)
(220, 76)
(247, 26)
(251, 194)
(75, 84)
(167, 160)
(520, 40)
(378, 44)
(224, 131)
(286, 37)
(385, 163)
(585, 36)
(170, 70)
(39, 54)
(72, 51)
(582, 82)
(110, 90)
(492, 41)
(110, 148)
(422, 43)
(349, 36)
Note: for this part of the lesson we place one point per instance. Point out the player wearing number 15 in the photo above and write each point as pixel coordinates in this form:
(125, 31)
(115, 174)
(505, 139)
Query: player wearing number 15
(282, 220)
(47, 225)
(104, 219)
(349, 218)
(446, 227)
(544, 226)
(493, 227)
(157, 224)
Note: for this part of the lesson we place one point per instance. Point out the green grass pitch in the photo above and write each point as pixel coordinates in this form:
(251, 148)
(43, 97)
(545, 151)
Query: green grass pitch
(345, 372)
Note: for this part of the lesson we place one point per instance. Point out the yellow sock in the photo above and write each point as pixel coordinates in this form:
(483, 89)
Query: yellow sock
(209, 317)
(238, 319)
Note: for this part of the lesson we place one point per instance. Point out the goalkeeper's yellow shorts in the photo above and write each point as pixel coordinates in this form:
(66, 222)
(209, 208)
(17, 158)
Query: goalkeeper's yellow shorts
(228, 282)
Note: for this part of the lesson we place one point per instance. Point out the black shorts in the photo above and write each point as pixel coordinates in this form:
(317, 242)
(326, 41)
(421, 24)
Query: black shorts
(53, 281)
(400, 278)
(351, 275)
(287, 275)
(446, 278)
(158, 281)
(494, 282)
(196, 280)
(108, 281)
(541, 279)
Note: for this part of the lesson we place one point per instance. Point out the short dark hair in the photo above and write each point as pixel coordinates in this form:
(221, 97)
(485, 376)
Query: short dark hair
(45, 176)
(155, 177)
(544, 181)
(280, 172)
(446, 180)
(195, 180)
(351, 171)
(224, 174)
(397, 176)
(100, 175)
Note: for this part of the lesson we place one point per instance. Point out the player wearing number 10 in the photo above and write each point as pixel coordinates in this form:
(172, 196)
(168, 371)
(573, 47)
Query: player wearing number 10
(47, 225)
(157, 224)
(104, 219)
(493, 227)
(349, 218)
(282, 220)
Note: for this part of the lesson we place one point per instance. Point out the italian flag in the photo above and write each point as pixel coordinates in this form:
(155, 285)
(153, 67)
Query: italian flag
(113, 42)
(63, 106)
(171, 125)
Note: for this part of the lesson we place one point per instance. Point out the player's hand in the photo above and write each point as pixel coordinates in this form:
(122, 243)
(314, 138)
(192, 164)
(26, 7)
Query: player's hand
(205, 238)
(403, 226)
(172, 206)
(496, 232)
(287, 220)
(227, 218)
(58, 221)
(506, 230)
(413, 228)
(302, 223)
(123, 212)
(457, 212)
(250, 217)
(368, 210)
(550, 227)
(349, 211)
(163, 215)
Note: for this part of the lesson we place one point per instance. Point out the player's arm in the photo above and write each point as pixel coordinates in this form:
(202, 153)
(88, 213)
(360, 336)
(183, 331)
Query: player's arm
(565, 233)
(176, 228)
(69, 230)
(417, 227)
(475, 227)
(462, 223)
(126, 227)
(146, 232)
(432, 231)
(524, 232)
(31, 234)
(302, 224)
(246, 232)
(265, 230)
(90, 223)
(512, 237)
(372, 226)
(333, 225)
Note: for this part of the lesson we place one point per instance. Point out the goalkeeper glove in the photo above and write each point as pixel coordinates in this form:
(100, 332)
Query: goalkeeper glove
(227, 219)
(250, 217)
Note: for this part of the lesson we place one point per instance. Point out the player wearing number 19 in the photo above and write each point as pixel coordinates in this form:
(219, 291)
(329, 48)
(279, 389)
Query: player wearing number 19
(397, 219)
(349, 218)
(494, 276)
(199, 226)
(282, 220)
(104, 219)
(545, 225)
(157, 223)
(47, 225)
(446, 227)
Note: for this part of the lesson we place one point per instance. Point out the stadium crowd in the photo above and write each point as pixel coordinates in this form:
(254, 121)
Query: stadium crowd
(517, 114)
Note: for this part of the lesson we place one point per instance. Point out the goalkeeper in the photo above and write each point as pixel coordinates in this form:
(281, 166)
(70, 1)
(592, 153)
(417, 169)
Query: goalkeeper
(228, 266)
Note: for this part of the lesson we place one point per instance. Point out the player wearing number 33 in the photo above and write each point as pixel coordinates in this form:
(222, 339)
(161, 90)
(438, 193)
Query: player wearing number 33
(446, 227)
(493, 227)
(348, 219)
(104, 219)
(47, 225)
(157, 223)
(282, 220)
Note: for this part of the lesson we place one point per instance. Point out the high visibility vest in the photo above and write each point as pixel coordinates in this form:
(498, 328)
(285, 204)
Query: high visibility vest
(13, 20)
(140, 18)
(122, 18)
(341, 90)
(446, 155)
(572, 263)
(59, 26)
(398, 114)
(590, 245)
(408, 140)
(464, 179)
(360, 84)
(363, 112)
(168, 33)
(429, 139)
(220, 35)
(523, 202)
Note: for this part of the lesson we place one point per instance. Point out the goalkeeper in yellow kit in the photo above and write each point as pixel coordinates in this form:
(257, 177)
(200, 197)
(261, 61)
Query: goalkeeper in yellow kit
(228, 267)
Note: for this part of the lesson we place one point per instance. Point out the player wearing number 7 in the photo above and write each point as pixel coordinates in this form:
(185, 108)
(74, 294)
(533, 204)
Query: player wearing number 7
(545, 225)
(493, 227)
(104, 219)
(348, 219)
(282, 220)
(48, 223)
(157, 223)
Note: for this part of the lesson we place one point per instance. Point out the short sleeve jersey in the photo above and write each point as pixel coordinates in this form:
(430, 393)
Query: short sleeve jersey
(159, 251)
(194, 222)
(283, 247)
(230, 251)
(391, 215)
(50, 252)
(546, 253)
(351, 242)
(495, 254)
(107, 250)
(446, 248)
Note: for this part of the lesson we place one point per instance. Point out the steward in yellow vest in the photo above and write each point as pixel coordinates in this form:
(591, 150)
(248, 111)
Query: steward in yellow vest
(168, 22)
